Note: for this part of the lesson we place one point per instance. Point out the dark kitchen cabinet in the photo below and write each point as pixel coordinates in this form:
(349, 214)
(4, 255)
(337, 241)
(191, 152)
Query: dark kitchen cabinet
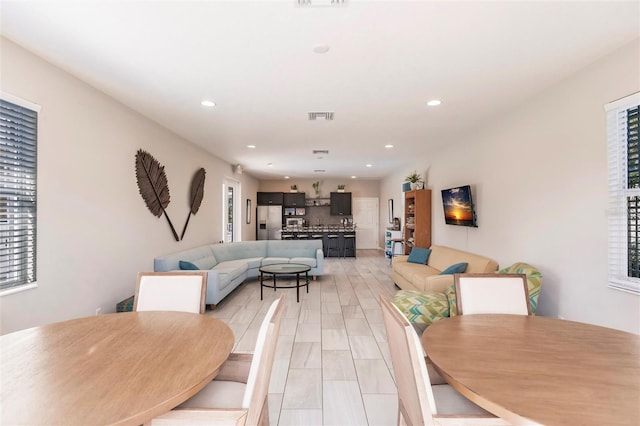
(270, 198)
(293, 199)
(340, 204)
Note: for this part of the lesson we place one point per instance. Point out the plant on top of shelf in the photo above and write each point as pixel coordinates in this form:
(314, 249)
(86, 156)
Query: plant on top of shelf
(341, 187)
(416, 180)
(294, 188)
(414, 177)
(316, 187)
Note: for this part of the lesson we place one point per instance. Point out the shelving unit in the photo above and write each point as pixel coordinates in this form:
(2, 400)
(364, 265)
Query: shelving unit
(417, 219)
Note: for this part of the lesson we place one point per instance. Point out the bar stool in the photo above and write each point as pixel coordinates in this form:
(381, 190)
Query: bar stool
(334, 242)
(393, 248)
(349, 244)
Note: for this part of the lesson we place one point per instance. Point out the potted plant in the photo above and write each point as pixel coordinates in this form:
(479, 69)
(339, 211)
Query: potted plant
(316, 188)
(341, 187)
(294, 188)
(415, 179)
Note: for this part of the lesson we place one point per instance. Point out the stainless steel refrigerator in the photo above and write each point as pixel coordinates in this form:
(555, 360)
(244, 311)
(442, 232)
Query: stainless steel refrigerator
(269, 222)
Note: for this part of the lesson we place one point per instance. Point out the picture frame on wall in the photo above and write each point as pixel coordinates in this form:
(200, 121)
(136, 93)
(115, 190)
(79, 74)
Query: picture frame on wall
(390, 208)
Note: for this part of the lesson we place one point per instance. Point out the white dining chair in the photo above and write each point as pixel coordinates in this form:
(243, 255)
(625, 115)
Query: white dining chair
(419, 402)
(238, 394)
(171, 291)
(492, 294)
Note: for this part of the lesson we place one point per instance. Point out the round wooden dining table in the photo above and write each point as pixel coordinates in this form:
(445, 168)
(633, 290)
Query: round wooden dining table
(536, 370)
(116, 369)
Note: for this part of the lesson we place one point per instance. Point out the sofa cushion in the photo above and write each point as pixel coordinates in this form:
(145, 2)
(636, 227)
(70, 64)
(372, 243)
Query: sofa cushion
(289, 249)
(273, 260)
(239, 250)
(309, 261)
(234, 268)
(202, 257)
(422, 307)
(457, 268)
(253, 262)
(419, 255)
(442, 256)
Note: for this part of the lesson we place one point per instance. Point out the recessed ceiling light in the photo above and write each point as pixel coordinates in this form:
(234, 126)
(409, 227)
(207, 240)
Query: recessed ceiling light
(388, 145)
(251, 146)
(353, 177)
(269, 164)
(320, 48)
(434, 102)
(286, 177)
(208, 103)
(368, 165)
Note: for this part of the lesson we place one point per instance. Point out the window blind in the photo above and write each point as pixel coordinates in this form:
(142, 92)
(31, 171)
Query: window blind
(18, 166)
(623, 146)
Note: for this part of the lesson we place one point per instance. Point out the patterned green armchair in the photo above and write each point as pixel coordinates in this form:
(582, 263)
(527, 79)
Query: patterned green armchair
(425, 308)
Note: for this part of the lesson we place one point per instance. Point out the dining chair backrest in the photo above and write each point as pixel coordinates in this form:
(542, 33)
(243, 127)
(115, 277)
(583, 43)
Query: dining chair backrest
(492, 294)
(171, 291)
(256, 391)
(416, 402)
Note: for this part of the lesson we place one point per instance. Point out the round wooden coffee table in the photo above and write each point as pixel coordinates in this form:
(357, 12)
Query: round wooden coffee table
(285, 269)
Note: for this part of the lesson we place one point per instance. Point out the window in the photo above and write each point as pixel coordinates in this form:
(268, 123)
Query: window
(18, 165)
(231, 210)
(623, 145)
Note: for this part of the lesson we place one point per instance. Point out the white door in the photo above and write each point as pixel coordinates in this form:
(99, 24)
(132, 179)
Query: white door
(365, 216)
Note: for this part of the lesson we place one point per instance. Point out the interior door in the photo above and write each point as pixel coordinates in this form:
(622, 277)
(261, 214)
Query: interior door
(366, 218)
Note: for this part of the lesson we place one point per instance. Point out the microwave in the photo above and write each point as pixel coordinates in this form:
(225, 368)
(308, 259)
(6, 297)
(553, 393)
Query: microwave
(295, 221)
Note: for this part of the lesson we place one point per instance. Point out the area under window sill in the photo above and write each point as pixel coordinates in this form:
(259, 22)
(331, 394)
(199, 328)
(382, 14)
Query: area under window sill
(18, 289)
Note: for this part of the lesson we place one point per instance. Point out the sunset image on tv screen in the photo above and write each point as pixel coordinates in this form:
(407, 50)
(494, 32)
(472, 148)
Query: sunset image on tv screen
(458, 208)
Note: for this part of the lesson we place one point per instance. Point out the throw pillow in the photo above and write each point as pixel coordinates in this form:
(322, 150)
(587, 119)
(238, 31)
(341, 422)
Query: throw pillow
(419, 255)
(187, 266)
(457, 268)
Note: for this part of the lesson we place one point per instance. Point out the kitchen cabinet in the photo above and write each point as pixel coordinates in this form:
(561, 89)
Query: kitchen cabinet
(340, 204)
(293, 199)
(270, 198)
(417, 219)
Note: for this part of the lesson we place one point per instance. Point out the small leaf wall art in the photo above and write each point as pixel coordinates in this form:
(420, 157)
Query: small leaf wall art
(197, 193)
(153, 186)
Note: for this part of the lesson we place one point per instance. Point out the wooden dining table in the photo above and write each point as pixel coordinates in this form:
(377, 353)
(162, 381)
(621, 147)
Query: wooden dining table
(536, 370)
(116, 369)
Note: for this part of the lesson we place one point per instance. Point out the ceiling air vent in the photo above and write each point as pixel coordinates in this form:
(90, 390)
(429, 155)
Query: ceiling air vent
(321, 116)
(320, 151)
(321, 3)
(319, 171)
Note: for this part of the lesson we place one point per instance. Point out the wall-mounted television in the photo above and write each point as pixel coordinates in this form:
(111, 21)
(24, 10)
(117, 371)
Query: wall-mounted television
(458, 206)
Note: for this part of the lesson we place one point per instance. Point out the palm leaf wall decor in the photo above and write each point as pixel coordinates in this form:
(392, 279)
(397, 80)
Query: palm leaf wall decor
(197, 193)
(153, 186)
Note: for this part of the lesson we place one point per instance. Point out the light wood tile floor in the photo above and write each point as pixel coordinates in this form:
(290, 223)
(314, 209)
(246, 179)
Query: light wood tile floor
(332, 363)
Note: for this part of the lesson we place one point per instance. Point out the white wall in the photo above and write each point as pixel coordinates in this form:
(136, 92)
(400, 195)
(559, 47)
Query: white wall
(94, 230)
(539, 175)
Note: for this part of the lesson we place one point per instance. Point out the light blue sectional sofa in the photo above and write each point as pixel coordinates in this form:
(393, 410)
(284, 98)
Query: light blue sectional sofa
(229, 264)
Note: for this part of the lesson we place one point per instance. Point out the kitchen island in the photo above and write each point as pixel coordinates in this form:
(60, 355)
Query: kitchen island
(337, 240)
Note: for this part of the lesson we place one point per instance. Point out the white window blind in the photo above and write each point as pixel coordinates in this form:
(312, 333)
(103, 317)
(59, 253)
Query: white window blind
(18, 165)
(623, 146)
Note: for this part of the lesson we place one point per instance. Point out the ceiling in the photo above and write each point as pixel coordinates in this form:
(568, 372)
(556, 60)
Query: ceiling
(256, 61)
